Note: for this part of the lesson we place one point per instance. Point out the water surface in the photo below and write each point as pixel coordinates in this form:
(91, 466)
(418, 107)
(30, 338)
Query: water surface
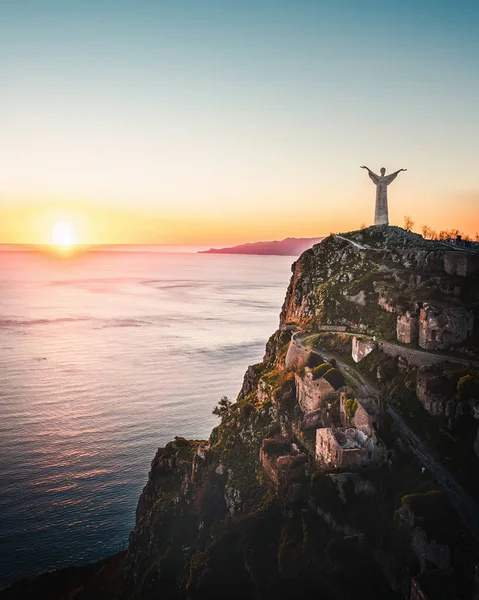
(103, 358)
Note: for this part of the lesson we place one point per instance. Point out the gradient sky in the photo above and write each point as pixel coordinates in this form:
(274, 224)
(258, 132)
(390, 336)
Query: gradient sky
(175, 121)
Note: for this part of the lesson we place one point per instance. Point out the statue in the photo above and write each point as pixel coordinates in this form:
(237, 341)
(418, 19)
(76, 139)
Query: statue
(382, 181)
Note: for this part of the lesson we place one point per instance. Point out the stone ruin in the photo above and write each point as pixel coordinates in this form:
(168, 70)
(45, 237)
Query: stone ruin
(461, 263)
(286, 466)
(365, 415)
(310, 392)
(434, 536)
(439, 330)
(361, 348)
(354, 444)
(407, 328)
(345, 448)
(428, 518)
(433, 392)
(434, 328)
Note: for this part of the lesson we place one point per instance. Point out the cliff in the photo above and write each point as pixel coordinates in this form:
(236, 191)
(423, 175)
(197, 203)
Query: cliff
(316, 480)
(258, 511)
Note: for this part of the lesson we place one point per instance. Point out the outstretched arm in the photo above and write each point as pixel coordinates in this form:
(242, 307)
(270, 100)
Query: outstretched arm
(393, 176)
(373, 176)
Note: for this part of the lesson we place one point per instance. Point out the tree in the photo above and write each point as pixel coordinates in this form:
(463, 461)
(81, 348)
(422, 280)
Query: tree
(223, 408)
(429, 233)
(408, 223)
(362, 226)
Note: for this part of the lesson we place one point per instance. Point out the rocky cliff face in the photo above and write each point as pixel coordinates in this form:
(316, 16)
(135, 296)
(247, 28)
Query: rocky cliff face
(333, 282)
(215, 519)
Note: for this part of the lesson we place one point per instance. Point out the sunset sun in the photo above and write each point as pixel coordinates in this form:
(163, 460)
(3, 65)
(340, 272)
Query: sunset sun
(64, 234)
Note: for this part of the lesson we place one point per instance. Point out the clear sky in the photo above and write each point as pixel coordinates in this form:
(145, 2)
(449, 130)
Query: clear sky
(203, 121)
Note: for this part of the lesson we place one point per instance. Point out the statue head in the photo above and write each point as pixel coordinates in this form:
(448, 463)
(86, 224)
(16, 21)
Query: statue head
(383, 170)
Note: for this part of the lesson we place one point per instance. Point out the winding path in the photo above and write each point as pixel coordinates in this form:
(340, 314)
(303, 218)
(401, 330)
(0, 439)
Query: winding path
(465, 506)
(396, 349)
(356, 244)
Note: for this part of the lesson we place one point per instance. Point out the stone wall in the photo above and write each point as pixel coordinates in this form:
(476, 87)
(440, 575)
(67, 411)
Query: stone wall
(365, 416)
(430, 391)
(439, 330)
(407, 328)
(461, 263)
(326, 447)
(297, 356)
(287, 468)
(418, 358)
(361, 348)
(347, 448)
(362, 420)
(310, 392)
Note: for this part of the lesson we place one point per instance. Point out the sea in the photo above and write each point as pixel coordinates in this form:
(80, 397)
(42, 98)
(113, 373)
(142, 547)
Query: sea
(106, 355)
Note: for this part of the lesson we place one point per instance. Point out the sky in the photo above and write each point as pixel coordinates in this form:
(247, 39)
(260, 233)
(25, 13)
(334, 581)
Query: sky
(226, 121)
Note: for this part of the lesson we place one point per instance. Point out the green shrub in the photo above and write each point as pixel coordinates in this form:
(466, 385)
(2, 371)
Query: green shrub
(351, 407)
(320, 370)
(467, 387)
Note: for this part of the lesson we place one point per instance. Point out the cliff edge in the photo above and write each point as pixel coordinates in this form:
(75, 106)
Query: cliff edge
(301, 487)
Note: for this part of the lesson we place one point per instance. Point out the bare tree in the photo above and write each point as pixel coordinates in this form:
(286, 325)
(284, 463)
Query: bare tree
(408, 223)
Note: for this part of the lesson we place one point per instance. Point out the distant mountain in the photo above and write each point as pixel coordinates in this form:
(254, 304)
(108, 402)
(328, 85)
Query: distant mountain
(287, 247)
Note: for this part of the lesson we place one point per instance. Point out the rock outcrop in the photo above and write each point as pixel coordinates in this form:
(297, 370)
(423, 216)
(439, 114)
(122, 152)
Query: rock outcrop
(295, 493)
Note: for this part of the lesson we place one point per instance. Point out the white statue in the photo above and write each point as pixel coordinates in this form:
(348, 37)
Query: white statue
(382, 181)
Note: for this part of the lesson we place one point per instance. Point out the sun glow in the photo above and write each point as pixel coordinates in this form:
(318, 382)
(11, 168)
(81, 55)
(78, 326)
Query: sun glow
(64, 234)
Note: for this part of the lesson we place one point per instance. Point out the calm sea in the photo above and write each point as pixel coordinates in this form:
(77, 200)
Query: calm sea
(103, 358)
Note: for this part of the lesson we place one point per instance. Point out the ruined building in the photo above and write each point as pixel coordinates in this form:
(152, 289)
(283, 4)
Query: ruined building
(286, 466)
(439, 330)
(407, 328)
(433, 393)
(361, 413)
(355, 444)
(361, 348)
(310, 392)
(345, 448)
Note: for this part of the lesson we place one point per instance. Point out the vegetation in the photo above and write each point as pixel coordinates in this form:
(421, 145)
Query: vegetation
(445, 234)
(223, 408)
(468, 387)
(320, 370)
(351, 407)
(408, 223)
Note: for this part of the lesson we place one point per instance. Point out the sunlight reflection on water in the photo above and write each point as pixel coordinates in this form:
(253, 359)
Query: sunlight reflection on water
(104, 358)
